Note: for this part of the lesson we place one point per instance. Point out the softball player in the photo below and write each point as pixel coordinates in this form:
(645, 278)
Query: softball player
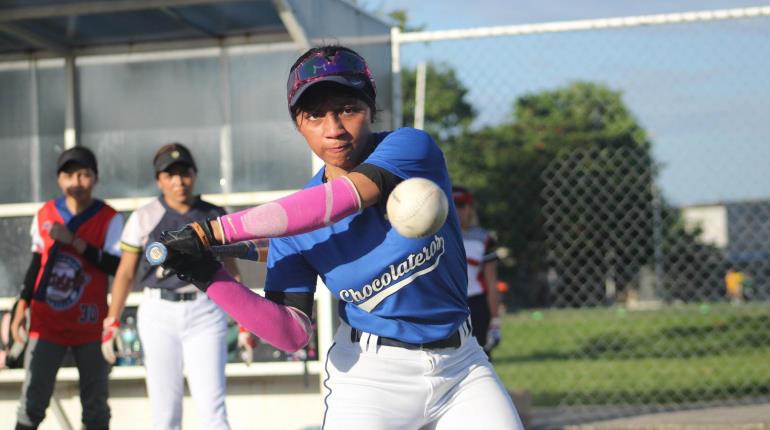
(179, 327)
(481, 256)
(403, 356)
(74, 249)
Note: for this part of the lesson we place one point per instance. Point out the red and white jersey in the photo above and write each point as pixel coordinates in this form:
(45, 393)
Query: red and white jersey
(479, 249)
(69, 300)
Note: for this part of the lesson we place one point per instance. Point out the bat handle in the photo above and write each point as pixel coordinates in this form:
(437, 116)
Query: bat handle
(156, 253)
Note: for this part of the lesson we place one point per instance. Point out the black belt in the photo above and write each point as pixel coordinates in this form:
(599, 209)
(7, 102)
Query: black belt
(169, 295)
(453, 341)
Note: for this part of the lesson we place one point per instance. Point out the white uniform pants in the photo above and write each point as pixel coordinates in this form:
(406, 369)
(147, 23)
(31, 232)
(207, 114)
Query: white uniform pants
(189, 336)
(375, 387)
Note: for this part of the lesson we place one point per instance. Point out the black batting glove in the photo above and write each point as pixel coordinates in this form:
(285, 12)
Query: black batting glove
(191, 240)
(205, 226)
(197, 271)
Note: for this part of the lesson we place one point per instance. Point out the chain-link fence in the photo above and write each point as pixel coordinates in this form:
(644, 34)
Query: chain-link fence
(625, 167)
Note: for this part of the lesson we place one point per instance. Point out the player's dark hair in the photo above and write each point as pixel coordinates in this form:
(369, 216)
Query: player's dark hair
(313, 96)
(321, 92)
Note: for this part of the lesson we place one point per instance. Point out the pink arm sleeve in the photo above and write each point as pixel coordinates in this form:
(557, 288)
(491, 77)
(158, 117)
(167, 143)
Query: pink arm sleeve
(300, 212)
(284, 327)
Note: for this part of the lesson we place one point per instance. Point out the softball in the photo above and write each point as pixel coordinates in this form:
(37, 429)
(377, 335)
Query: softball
(417, 207)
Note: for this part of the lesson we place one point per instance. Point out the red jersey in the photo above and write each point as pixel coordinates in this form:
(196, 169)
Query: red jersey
(70, 296)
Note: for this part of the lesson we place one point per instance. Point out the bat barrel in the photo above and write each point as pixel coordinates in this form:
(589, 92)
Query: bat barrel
(156, 253)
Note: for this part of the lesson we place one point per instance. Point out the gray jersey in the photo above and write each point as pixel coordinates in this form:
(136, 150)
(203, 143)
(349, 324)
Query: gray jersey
(145, 226)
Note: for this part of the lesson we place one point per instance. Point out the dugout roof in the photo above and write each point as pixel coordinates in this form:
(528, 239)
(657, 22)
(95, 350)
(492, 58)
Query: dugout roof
(61, 28)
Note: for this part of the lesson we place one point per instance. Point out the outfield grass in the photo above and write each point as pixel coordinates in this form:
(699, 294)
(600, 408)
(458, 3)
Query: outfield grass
(607, 356)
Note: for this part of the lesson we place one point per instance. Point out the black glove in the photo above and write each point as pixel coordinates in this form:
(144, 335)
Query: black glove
(191, 240)
(197, 271)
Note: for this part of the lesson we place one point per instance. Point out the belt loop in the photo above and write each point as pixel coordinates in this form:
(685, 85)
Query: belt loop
(357, 336)
(465, 329)
(374, 340)
(363, 340)
(367, 341)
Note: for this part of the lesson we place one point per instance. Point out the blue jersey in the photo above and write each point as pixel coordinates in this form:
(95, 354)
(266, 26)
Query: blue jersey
(409, 289)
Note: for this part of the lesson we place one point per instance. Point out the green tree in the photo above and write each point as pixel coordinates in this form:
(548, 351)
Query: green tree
(401, 18)
(692, 270)
(446, 110)
(568, 182)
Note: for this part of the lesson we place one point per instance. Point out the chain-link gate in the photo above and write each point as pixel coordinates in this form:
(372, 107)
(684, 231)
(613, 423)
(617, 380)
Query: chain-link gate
(625, 166)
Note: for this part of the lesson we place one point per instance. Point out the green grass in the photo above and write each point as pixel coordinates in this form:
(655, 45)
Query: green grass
(606, 356)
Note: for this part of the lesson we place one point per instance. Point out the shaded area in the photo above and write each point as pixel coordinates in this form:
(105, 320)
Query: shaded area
(653, 396)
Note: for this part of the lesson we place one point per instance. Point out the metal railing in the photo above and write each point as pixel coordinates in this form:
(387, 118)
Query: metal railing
(618, 160)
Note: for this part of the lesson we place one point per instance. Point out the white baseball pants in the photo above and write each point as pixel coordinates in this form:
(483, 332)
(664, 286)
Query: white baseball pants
(189, 336)
(375, 387)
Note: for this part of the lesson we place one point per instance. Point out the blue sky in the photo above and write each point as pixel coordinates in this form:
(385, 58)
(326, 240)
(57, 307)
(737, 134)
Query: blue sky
(700, 90)
(449, 14)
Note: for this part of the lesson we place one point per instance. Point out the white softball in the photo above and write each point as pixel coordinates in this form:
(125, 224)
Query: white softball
(417, 207)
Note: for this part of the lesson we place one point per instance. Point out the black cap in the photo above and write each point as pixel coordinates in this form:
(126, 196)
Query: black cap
(172, 153)
(80, 155)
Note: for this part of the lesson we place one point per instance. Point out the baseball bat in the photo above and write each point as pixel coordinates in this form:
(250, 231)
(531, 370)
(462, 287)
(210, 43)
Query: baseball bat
(254, 250)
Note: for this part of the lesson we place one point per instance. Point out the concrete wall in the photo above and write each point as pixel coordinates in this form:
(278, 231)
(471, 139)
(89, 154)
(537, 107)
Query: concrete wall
(265, 396)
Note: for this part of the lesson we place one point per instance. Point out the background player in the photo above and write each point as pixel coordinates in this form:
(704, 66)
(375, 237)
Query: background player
(74, 247)
(179, 327)
(403, 356)
(481, 255)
